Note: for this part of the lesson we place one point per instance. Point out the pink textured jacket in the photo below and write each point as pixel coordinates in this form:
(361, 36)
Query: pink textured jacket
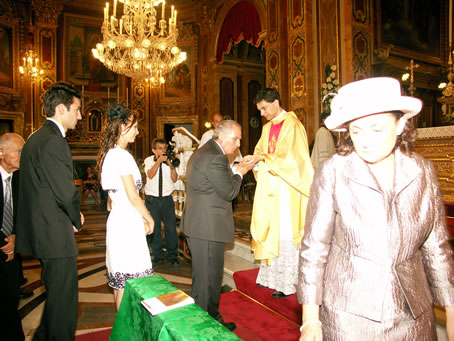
(360, 242)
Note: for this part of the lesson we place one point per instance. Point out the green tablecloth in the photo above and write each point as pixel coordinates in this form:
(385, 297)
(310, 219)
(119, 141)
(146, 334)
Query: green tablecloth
(134, 322)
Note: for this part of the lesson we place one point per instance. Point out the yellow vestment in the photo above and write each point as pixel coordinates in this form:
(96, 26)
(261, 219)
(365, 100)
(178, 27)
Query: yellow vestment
(286, 172)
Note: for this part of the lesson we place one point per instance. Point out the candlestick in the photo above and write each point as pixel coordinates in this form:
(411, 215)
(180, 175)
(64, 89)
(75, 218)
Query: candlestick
(126, 97)
(118, 94)
(121, 26)
(115, 8)
(175, 19)
(450, 25)
(108, 93)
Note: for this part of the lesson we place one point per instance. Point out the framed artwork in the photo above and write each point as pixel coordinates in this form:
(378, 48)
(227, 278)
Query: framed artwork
(413, 28)
(80, 67)
(179, 85)
(9, 55)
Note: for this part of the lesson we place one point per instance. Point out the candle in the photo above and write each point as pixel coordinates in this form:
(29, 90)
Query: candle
(175, 19)
(107, 9)
(450, 25)
(118, 94)
(115, 8)
(163, 9)
(82, 99)
(105, 14)
(121, 26)
(171, 12)
(108, 92)
(126, 97)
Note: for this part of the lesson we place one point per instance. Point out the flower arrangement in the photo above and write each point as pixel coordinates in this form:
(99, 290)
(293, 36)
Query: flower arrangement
(329, 87)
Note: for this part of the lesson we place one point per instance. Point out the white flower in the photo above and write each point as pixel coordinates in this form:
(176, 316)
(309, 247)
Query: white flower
(328, 79)
(333, 67)
(330, 86)
(324, 86)
(332, 75)
(336, 82)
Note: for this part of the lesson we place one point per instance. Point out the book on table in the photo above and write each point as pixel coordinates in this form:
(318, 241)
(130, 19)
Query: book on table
(172, 300)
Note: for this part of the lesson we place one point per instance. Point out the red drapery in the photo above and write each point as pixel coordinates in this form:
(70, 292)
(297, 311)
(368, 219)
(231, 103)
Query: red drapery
(241, 22)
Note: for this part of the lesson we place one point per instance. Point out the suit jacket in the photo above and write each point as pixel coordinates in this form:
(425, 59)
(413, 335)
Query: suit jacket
(49, 202)
(211, 186)
(367, 252)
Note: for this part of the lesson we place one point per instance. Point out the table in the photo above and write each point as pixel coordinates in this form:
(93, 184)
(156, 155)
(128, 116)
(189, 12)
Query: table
(134, 322)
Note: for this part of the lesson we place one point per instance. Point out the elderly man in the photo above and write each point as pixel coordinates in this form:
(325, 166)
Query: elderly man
(49, 211)
(284, 172)
(207, 217)
(10, 271)
(208, 135)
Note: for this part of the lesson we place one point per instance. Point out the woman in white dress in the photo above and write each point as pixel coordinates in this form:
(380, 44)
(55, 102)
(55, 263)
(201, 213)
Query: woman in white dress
(127, 254)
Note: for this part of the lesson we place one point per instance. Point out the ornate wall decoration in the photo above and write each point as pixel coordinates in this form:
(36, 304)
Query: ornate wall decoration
(273, 25)
(361, 55)
(272, 75)
(48, 11)
(296, 13)
(361, 11)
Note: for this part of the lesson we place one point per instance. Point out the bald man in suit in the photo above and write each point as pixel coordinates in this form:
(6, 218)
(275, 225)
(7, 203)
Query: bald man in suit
(10, 272)
(207, 217)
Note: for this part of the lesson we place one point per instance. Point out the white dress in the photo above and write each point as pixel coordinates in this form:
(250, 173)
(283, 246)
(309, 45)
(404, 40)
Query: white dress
(127, 254)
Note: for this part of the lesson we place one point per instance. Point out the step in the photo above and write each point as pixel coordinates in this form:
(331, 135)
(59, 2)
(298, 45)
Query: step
(232, 264)
(241, 249)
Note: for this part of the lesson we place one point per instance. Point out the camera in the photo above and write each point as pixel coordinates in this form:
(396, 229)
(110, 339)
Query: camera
(171, 156)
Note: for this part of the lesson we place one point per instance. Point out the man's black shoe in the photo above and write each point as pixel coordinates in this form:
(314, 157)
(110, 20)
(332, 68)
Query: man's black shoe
(229, 325)
(278, 294)
(23, 281)
(174, 262)
(25, 294)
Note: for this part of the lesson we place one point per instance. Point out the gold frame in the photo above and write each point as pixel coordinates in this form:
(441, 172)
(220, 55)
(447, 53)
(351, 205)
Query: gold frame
(17, 118)
(12, 23)
(161, 120)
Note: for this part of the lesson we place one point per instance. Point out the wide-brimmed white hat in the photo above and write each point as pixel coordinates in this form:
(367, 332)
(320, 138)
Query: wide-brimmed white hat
(369, 96)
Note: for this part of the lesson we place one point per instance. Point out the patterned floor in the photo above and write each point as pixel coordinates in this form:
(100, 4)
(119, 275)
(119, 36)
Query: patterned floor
(96, 305)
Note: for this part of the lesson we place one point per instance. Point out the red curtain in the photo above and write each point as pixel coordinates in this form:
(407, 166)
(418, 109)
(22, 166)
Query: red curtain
(241, 22)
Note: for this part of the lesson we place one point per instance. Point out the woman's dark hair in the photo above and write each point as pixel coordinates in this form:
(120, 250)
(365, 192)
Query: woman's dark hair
(59, 93)
(116, 116)
(405, 141)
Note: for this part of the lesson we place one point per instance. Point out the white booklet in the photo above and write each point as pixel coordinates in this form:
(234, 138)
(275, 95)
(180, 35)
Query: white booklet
(172, 300)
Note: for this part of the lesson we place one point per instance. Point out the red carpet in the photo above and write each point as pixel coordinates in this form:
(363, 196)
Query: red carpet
(255, 322)
(100, 335)
(286, 306)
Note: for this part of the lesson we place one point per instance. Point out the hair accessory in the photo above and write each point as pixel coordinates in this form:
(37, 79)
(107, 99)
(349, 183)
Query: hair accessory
(118, 112)
(369, 96)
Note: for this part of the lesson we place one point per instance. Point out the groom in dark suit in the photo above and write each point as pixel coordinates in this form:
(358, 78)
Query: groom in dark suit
(10, 272)
(207, 217)
(49, 211)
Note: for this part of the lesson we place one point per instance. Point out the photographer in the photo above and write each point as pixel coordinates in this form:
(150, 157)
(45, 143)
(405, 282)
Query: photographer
(161, 175)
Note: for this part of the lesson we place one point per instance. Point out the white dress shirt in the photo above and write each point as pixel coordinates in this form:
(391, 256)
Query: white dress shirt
(152, 185)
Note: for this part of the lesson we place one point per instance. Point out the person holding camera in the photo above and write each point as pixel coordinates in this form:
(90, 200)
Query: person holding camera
(161, 176)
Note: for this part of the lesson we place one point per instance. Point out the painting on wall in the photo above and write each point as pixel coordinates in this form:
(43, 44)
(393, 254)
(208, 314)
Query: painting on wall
(6, 57)
(413, 26)
(80, 67)
(179, 83)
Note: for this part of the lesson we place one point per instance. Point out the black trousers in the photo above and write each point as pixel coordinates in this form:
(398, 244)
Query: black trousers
(207, 273)
(163, 209)
(10, 322)
(59, 276)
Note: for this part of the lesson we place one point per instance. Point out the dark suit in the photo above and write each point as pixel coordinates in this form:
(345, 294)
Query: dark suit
(10, 276)
(48, 209)
(208, 221)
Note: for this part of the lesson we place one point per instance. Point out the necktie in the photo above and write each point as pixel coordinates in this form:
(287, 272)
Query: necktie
(7, 226)
(160, 180)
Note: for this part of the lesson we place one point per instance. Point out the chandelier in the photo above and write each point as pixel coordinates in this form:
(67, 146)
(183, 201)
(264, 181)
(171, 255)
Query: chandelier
(138, 45)
(30, 65)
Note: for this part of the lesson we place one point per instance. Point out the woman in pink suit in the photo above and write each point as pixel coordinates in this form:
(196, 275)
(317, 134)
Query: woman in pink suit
(375, 253)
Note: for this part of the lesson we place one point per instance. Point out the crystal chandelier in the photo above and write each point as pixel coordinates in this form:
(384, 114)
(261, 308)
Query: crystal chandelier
(139, 45)
(30, 65)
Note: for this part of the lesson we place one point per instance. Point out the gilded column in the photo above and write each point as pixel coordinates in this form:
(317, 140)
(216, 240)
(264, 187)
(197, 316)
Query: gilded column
(45, 46)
